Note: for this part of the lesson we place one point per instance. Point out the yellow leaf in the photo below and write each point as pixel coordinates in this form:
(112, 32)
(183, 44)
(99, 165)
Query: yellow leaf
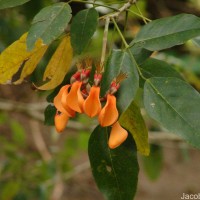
(13, 56)
(31, 64)
(59, 65)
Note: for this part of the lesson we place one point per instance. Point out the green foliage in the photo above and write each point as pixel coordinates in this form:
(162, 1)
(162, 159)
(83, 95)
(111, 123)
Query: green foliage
(49, 114)
(157, 68)
(168, 100)
(83, 26)
(140, 54)
(49, 24)
(11, 3)
(168, 32)
(115, 171)
(120, 61)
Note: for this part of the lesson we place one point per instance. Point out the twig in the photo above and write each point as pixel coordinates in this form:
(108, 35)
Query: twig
(37, 113)
(39, 141)
(123, 8)
(58, 189)
(77, 170)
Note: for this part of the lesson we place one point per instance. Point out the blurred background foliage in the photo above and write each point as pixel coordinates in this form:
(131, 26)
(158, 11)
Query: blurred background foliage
(35, 162)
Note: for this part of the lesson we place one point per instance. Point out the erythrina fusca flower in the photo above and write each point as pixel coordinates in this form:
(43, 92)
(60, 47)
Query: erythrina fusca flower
(109, 114)
(73, 100)
(92, 105)
(117, 135)
(80, 97)
(60, 120)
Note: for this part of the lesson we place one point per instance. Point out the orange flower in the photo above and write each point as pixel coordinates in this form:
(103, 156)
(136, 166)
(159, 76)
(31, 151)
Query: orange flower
(59, 106)
(109, 114)
(60, 120)
(117, 136)
(74, 98)
(92, 104)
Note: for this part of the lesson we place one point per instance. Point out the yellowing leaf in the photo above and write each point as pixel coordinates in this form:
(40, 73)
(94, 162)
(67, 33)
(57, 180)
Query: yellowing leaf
(31, 64)
(12, 57)
(59, 65)
(132, 120)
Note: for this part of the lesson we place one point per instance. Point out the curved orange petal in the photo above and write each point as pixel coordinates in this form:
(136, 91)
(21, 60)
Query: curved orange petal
(92, 105)
(72, 99)
(117, 136)
(70, 112)
(109, 114)
(80, 99)
(60, 120)
(57, 99)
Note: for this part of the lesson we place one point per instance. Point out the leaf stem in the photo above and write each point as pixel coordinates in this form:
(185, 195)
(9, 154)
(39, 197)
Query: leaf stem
(128, 49)
(125, 26)
(147, 19)
(141, 13)
(120, 33)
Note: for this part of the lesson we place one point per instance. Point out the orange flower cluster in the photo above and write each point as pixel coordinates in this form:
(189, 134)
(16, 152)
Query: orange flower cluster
(80, 97)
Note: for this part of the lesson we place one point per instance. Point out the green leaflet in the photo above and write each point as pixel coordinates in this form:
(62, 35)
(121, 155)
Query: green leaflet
(49, 24)
(157, 68)
(176, 105)
(120, 61)
(49, 115)
(83, 26)
(115, 171)
(168, 32)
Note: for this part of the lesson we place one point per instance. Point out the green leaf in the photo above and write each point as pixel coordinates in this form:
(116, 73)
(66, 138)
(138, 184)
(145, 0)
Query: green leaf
(176, 105)
(157, 68)
(83, 26)
(140, 54)
(120, 61)
(49, 114)
(154, 162)
(132, 120)
(115, 171)
(11, 3)
(168, 32)
(49, 24)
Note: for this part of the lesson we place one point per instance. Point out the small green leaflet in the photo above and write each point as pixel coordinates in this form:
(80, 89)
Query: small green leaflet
(120, 61)
(49, 115)
(83, 26)
(49, 24)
